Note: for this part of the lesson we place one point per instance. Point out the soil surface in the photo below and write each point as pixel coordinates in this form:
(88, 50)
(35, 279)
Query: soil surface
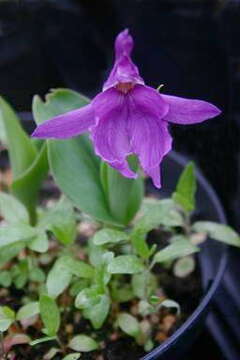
(114, 345)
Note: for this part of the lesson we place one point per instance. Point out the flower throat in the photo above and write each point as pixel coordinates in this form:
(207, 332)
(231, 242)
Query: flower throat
(125, 87)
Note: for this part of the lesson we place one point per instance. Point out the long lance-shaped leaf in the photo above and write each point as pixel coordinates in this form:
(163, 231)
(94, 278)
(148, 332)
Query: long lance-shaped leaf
(73, 163)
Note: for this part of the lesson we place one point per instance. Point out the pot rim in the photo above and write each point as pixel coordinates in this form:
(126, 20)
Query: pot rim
(161, 349)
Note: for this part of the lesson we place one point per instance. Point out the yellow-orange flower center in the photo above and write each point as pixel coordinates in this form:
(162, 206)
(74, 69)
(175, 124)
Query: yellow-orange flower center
(125, 87)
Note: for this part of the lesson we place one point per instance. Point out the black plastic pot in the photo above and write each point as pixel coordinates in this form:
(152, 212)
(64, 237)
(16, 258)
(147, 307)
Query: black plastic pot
(224, 320)
(213, 260)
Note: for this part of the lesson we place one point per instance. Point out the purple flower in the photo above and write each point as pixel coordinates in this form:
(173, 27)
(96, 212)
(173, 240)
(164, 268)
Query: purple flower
(128, 117)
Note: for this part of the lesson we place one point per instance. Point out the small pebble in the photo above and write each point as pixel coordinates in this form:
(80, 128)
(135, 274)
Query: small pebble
(160, 337)
(69, 328)
(87, 229)
(154, 319)
(199, 238)
(81, 255)
(134, 309)
(77, 317)
(145, 327)
(168, 322)
(99, 357)
(5, 179)
(114, 336)
(4, 292)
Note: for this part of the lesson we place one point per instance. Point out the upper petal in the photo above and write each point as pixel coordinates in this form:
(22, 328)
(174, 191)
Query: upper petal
(66, 125)
(123, 43)
(124, 70)
(188, 111)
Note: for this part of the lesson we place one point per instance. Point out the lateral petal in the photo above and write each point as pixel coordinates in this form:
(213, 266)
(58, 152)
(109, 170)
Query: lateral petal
(67, 125)
(188, 111)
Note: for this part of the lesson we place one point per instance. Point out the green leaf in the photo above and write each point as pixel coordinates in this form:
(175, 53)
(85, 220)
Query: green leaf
(143, 284)
(50, 314)
(149, 345)
(12, 210)
(83, 343)
(61, 221)
(125, 264)
(58, 279)
(129, 325)
(29, 167)
(36, 274)
(73, 356)
(98, 313)
(60, 275)
(95, 253)
(120, 291)
(86, 298)
(16, 232)
(145, 308)
(3, 135)
(156, 213)
(184, 266)
(124, 195)
(168, 303)
(77, 267)
(21, 150)
(180, 247)
(20, 273)
(58, 101)
(186, 188)
(26, 186)
(140, 244)
(51, 354)
(9, 251)
(73, 162)
(28, 310)
(76, 172)
(5, 278)
(4, 324)
(39, 242)
(7, 317)
(78, 285)
(218, 232)
(102, 276)
(9, 313)
(109, 236)
(42, 340)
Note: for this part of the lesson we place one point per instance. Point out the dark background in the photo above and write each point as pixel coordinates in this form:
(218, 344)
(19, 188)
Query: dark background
(192, 47)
